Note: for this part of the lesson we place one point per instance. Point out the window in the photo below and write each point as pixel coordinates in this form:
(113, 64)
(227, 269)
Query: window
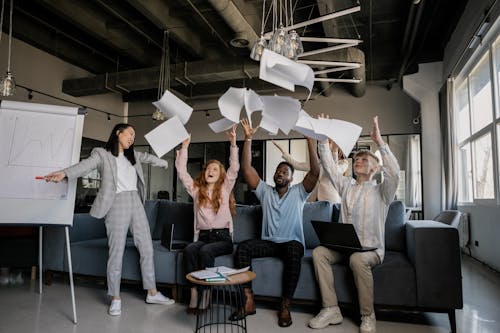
(483, 168)
(481, 100)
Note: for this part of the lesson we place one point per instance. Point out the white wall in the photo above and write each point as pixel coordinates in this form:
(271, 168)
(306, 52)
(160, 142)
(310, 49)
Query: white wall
(43, 72)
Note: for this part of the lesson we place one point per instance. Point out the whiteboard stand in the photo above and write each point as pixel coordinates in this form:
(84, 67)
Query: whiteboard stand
(70, 268)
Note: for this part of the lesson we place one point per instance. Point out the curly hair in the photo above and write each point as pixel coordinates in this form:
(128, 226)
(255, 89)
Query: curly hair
(216, 201)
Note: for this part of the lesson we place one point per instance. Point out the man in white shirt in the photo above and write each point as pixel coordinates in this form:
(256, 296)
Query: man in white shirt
(364, 204)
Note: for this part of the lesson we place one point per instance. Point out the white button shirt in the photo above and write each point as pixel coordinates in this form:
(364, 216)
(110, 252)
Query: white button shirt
(365, 205)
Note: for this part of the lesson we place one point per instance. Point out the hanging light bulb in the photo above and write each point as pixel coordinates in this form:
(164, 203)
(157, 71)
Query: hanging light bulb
(8, 85)
(279, 40)
(158, 115)
(258, 48)
(295, 45)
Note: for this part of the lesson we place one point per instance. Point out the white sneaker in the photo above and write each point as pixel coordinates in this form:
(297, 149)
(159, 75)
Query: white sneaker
(115, 309)
(368, 324)
(159, 299)
(327, 316)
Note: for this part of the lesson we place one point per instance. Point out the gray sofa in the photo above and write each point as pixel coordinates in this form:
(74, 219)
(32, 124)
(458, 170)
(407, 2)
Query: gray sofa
(421, 270)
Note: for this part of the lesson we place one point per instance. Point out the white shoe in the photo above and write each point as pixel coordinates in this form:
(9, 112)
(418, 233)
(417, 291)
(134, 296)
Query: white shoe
(368, 324)
(115, 309)
(159, 299)
(327, 316)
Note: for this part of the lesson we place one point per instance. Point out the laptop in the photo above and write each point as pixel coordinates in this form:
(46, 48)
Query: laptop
(339, 236)
(168, 239)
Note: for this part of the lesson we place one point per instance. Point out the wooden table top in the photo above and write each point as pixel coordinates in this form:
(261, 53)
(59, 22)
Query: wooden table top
(239, 278)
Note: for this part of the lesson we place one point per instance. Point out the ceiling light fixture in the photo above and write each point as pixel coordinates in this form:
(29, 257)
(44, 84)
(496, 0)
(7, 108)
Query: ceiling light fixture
(164, 78)
(8, 84)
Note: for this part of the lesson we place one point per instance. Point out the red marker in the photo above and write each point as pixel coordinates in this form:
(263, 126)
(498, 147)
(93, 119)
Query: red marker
(39, 177)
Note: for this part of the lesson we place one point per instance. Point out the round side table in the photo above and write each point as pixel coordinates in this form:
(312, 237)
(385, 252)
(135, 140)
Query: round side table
(225, 298)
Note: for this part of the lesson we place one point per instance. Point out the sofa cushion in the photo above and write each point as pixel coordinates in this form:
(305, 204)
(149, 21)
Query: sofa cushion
(151, 208)
(86, 227)
(317, 211)
(395, 236)
(179, 213)
(247, 223)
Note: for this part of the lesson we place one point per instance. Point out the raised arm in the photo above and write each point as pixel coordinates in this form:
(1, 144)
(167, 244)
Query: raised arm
(301, 166)
(311, 178)
(390, 168)
(181, 166)
(234, 163)
(249, 173)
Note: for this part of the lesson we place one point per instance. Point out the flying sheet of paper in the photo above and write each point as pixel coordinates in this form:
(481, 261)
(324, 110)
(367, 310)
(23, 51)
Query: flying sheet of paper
(231, 102)
(269, 124)
(304, 126)
(344, 133)
(283, 110)
(166, 136)
(284, 72)
(221, 125)
(252, 103)
(170, 105)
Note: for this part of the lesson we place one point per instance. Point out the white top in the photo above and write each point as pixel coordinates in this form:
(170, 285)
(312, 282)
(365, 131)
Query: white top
(126, 174)
(365, 205)
(323, 191)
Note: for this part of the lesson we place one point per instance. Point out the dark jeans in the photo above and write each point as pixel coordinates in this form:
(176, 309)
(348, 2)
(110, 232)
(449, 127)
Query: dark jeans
(290, 253)
(210, 244)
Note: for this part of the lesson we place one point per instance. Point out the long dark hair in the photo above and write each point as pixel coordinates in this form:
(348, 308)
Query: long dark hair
(113, 144)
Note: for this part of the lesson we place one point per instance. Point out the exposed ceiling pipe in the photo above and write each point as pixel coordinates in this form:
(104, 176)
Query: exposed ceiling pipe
(245, 35)
(411, 42)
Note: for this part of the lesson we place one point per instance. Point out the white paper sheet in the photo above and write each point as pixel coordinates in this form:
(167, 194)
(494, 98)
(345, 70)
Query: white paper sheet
(166, 136)
(284, 72)
(343, 133)
(252, 103)
(231, 102)
(170, 105)
(304, 126)
(221, 125)
(269, 125)
(283, 110)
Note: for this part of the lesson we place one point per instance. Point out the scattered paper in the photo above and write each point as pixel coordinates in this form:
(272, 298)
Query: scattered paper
(284, 72)
(166, 136)
(283, 111)
(304, 126)
(217, 272)
(221, 125)
(231, 102)
(343, 133)
(170, 105)
(252, 103)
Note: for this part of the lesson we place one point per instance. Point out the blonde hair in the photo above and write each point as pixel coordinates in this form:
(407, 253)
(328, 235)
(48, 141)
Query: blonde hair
(216, 201)
(365, 152)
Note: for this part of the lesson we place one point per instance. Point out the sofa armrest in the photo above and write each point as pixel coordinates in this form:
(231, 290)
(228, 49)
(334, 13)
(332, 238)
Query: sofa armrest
(86, 227)
(433, 249)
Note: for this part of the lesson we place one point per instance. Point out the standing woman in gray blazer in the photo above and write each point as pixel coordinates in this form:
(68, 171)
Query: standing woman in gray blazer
(121, 200)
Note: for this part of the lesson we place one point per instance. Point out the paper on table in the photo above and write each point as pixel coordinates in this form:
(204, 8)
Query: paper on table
(166, 136)
(285, 72)
(171, 106)
(304, 126)
(221, 125)
(231, 102)
(344, 133)
(283, 110)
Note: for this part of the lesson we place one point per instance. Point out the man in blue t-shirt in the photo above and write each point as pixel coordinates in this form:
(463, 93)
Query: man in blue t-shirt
(282, 231)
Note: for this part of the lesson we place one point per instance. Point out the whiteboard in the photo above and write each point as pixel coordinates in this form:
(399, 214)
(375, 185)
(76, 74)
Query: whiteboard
(36, 139)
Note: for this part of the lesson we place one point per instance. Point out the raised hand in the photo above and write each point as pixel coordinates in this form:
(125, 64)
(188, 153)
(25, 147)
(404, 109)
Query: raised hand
(186, 142)
(375, 133)
(231, 135)
(249, 131)
(55, 177)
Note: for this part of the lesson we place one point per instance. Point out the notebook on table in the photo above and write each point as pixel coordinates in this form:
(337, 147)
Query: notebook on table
(168, 238)
(339, 236)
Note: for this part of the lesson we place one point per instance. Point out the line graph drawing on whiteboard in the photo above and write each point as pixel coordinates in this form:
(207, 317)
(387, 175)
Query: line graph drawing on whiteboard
(34, 144)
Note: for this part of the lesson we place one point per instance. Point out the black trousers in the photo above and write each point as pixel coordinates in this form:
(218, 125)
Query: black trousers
(290, 253)
(210, 244)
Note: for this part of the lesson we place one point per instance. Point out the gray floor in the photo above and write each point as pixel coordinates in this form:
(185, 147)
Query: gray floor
(22, 309)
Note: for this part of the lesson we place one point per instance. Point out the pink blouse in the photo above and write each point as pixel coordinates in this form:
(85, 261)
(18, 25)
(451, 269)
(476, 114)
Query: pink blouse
(205, 218)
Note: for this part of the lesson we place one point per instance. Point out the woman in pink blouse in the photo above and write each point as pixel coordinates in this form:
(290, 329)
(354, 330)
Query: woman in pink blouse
(214, 208)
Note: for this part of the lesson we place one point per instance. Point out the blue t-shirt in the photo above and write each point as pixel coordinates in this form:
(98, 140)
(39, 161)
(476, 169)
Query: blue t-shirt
(282, 217)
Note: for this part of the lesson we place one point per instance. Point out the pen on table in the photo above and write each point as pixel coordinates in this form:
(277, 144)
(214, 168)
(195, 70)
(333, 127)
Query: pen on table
(39, 177)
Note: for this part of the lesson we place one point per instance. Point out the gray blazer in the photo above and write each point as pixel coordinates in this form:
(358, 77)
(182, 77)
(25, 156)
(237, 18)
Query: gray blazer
(105, 162)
